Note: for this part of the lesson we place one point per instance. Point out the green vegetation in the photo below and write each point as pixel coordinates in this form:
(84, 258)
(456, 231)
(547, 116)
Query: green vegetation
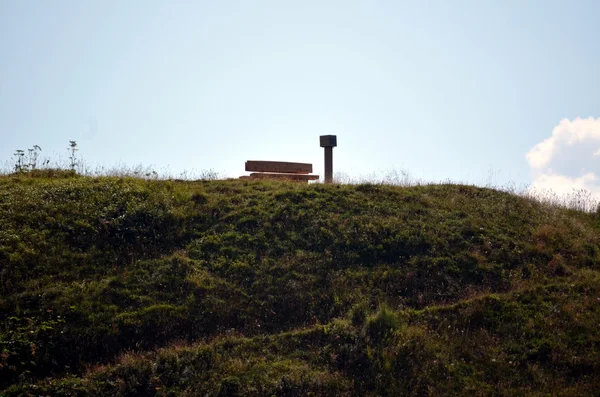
(123, 286)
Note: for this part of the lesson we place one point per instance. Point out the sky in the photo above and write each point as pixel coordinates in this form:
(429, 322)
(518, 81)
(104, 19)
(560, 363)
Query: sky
(477, 91)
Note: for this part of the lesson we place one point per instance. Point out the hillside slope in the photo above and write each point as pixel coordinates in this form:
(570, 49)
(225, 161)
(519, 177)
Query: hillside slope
(116, 286)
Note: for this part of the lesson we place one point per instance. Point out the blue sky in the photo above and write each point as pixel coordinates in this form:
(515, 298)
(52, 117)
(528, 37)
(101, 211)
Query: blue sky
(463, 90)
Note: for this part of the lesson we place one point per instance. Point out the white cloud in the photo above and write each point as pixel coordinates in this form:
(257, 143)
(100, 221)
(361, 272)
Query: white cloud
(541, 153)
(568, 160)
(562, 184)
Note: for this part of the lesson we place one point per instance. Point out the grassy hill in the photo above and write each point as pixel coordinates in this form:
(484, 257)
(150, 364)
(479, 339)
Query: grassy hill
(117, 286)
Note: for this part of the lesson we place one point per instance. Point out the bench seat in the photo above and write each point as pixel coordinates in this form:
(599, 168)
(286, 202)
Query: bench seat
(289, 177)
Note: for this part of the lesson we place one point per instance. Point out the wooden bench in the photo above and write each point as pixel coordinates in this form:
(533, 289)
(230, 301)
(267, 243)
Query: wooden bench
(300, 172)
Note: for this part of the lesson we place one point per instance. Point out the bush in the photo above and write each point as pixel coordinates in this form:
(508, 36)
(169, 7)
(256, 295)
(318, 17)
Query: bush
(359, 314)
(382, 324)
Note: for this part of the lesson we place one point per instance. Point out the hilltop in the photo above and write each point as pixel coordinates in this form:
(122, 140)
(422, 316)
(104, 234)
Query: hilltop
(123, 286)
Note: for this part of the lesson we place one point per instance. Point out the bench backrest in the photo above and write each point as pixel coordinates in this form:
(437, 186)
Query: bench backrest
(278, 166)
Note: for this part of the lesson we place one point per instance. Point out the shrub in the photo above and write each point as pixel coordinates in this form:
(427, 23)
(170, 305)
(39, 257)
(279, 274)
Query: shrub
(359, 314)
(382, 324)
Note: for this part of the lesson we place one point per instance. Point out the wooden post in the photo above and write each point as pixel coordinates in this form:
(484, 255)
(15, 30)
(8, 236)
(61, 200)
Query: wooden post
(328, 142)
(328, 164)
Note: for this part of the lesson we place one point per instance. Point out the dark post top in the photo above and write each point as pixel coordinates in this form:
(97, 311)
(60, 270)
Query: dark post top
(328, 140)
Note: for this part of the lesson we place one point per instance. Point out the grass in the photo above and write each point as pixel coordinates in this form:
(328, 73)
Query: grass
(127, 286)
